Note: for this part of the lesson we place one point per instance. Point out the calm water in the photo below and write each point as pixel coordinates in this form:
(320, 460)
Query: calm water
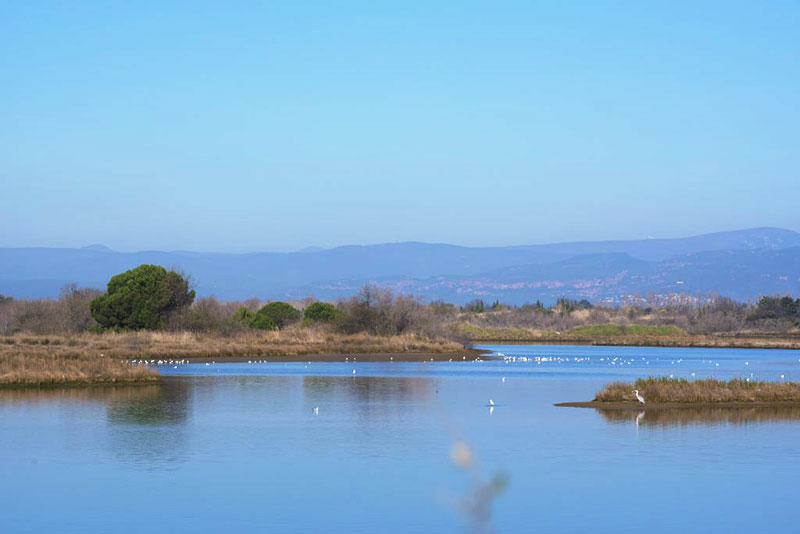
(237, 448)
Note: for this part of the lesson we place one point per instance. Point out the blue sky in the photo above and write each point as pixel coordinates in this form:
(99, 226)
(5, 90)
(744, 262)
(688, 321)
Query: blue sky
(239, 126)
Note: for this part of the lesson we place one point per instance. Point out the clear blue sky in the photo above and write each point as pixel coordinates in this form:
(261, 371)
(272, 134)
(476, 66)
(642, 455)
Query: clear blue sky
(243, 126)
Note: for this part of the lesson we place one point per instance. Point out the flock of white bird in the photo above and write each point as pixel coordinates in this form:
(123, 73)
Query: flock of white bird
(612, 361)
(615, 361)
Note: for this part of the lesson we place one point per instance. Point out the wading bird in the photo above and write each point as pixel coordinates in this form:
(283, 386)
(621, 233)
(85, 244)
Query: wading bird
(638, 397)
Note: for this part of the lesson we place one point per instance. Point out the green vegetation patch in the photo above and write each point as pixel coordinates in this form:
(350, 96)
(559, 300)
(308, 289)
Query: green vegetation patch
(280, 314)
(141, 298)
(509, 333)
(604, 330)
(320, 312)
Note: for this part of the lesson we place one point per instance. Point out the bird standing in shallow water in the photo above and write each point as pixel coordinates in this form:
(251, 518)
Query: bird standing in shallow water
(638, 397)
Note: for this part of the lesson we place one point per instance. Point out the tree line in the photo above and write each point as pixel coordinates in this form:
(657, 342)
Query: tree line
(151, 297)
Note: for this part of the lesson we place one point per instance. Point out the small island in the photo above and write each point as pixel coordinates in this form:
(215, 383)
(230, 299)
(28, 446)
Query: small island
(683, 393)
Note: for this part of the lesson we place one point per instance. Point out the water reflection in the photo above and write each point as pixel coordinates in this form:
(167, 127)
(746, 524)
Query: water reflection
(165, 404)
(372, 397)
(366, 390)
(82, 395)
(145, 425)
(149, 429)
(668, 417)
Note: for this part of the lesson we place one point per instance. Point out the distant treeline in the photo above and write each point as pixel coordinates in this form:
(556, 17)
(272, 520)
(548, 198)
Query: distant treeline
(153, 298)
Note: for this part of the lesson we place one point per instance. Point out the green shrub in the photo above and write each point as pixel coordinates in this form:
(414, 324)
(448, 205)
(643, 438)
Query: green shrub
(261, 322)
(243, 316)
(141, 298)
(280, 313)
(320, 312)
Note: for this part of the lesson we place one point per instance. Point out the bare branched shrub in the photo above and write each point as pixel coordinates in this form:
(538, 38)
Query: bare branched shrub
(207, 315)
(377, 311)
(74, 302)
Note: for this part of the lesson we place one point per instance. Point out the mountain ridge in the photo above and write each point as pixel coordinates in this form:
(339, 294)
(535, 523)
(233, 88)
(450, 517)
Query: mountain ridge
(33, 272)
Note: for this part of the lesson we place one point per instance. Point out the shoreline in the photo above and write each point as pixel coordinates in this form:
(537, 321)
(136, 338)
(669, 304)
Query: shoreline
(370, 357)
(146, 345)
(699, 342)
(154, 381)
(636, 406)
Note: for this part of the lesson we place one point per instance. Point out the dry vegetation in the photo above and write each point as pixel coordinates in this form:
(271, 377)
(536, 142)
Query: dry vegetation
(88, 358)
(161, 345)
(21, 367)
(54, 341)
(709, 391)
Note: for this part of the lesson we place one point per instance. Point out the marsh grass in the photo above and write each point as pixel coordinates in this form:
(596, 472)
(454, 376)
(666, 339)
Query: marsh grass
(625, 335)
(155, 345)
(25, 368)
(680, 390)
(486, 333)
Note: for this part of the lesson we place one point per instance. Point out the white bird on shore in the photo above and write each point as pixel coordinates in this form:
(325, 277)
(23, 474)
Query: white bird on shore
(354, 371)
(638, 397)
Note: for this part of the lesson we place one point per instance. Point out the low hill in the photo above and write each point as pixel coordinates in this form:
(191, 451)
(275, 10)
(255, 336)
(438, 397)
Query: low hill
(739, 263)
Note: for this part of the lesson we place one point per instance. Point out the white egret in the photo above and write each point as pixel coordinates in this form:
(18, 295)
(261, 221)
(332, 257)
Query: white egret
(491, 402)
(638, 397)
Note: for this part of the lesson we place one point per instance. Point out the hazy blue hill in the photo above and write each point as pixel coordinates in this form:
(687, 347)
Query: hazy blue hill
(661, 249)
(429, 269)
(740, 274)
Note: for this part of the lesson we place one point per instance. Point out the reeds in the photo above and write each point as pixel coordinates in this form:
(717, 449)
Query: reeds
(707, 391)
(158, 345)
(21, 368)
(626, 335)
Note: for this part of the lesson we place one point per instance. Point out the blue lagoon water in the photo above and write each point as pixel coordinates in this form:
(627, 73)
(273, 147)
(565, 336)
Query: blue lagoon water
(402, 447)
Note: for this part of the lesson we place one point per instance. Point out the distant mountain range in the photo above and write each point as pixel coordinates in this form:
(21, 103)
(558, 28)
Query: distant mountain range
(740, 264)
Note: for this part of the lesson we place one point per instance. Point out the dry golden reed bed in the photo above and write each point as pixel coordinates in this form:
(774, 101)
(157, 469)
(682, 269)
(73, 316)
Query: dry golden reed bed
(709, 391)
(42, 369)
(635, 336)
(289, 342)
(98, 358)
